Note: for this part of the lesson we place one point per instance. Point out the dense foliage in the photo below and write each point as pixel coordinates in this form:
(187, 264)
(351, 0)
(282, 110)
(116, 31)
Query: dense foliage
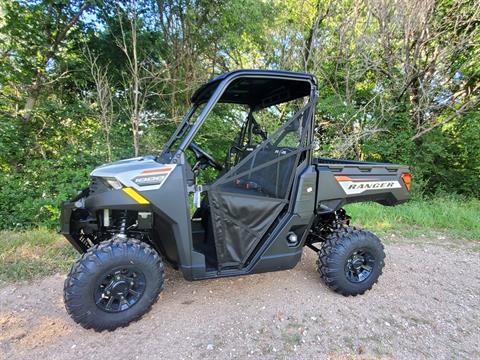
(85, 82)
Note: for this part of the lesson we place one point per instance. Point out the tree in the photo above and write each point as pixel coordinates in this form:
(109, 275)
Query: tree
(398, 81)
(31, 56)
(103, 98)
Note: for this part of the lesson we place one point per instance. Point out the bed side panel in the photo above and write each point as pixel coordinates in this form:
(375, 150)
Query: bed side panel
(348, 183)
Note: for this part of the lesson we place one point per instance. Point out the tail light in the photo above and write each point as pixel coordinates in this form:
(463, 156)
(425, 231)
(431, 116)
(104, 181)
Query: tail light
(407, 180)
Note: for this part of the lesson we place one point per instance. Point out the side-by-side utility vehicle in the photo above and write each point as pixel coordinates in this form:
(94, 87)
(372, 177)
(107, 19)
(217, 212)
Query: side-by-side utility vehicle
(261, 206)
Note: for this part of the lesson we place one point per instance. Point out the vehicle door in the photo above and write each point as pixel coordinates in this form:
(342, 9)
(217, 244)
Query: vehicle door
(247, 200)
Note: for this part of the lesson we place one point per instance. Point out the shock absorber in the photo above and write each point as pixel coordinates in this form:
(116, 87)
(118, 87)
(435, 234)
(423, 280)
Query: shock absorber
(123, 225)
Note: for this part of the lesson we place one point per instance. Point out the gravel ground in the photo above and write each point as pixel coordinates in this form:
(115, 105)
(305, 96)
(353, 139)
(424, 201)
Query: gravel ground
(426, 305)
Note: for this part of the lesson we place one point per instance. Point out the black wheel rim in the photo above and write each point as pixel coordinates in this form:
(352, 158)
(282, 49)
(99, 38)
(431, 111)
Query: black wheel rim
(359, 266)
(120, 289)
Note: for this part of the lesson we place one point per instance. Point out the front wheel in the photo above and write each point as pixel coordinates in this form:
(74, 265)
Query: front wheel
(351, 260)
(113, 284)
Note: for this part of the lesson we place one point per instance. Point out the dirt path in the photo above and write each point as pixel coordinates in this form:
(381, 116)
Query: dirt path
(426, 305)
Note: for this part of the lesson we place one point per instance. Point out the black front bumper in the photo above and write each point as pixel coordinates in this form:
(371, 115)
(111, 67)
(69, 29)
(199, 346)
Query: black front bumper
(66, 211)
(78, 220)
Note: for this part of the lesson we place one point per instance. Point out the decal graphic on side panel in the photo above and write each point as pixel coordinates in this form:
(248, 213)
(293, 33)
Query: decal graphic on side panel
(353, 186)
(152, 179)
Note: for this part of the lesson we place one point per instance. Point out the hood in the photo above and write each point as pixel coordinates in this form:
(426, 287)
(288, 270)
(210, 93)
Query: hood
(142, 173)
(126, 165)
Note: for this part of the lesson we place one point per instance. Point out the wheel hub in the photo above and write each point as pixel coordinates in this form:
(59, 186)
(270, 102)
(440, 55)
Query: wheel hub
(120, 289)
(357, 263)
(359, 266)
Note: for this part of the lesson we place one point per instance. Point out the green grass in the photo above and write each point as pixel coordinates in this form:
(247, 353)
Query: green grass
(456, 217)
(32, 254)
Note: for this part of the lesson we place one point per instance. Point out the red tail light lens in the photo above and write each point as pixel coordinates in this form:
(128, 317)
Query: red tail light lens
(407, 180)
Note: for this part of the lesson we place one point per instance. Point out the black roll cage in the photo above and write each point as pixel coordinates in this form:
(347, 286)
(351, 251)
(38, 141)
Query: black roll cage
(217, 86)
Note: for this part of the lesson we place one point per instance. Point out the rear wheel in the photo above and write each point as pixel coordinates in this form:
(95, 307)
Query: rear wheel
(351, 261)
(113, 284)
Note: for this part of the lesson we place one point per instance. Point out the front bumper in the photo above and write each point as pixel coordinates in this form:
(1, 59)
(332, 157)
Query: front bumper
(78, 219)
(66, 210)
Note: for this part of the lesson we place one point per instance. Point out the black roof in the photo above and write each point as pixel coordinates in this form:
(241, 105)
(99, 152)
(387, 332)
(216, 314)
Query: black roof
(258, 88)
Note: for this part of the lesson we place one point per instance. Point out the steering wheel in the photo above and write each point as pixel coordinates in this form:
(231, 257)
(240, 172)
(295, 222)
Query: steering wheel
(200, 153)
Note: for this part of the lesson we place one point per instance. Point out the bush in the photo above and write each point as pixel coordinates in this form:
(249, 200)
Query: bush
(32, 197)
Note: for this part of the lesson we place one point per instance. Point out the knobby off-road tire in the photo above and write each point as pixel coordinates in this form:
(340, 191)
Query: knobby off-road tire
(130, 271)
(363, 249)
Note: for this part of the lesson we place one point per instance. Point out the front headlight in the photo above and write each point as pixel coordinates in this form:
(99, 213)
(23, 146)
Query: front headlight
(150, 180)
(113, 183)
